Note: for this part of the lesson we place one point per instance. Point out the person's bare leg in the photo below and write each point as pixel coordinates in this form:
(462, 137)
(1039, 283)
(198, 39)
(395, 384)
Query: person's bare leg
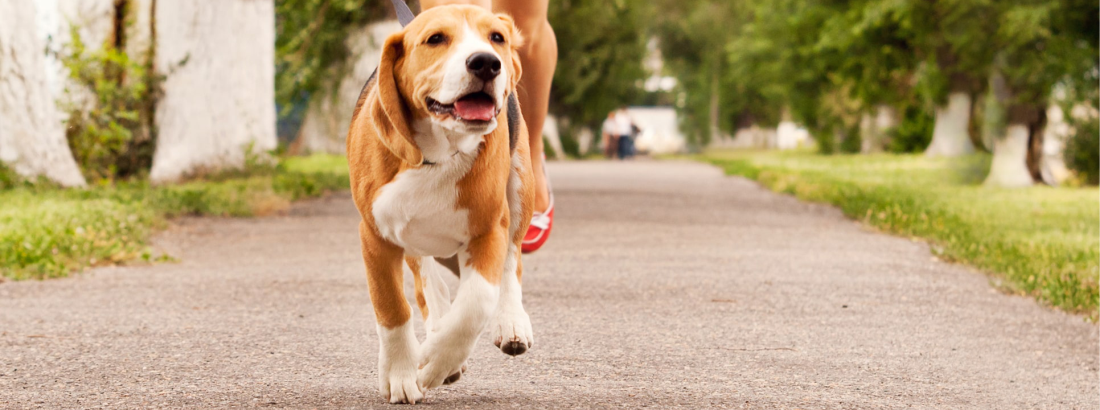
(539, 57)
(427, 4)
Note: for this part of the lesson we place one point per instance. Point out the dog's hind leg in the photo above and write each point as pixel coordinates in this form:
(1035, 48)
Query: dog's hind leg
(398, 348)
(432, 294)
(446, 350)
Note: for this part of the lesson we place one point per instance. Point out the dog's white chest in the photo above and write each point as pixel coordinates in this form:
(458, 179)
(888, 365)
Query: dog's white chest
(417, 211)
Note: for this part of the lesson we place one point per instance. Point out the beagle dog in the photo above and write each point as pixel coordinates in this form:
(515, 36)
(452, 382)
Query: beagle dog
(440, 172)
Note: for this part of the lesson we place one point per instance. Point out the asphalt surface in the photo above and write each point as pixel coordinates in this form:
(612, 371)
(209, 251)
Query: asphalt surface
(664, 285)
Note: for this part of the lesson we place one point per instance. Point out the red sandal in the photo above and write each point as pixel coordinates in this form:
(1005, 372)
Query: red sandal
(541, 222)
(539, 230)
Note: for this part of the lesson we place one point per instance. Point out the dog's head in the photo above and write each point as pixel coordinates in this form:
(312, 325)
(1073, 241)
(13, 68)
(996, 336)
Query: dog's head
(453, 66)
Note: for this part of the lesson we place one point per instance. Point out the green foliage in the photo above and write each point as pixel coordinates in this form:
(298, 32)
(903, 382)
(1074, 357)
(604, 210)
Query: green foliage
(1036, 241)
(914, 131)
(311, 43)
(600, 48)
(52, 232)
(9, 178)
(851, 144)
(1082, 153)
(1079, 20)
(693, 37)
(828, 61)
(110, 104)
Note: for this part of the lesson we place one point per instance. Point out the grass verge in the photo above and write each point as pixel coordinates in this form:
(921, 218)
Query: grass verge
(1038, 241)
(47, 232)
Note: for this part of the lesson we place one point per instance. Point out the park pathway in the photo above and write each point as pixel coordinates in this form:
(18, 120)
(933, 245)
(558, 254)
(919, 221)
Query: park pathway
(664, 285)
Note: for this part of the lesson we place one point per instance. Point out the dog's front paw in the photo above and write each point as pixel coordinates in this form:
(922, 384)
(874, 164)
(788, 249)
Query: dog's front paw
(511, 332)
(398, 384)
(441, 363)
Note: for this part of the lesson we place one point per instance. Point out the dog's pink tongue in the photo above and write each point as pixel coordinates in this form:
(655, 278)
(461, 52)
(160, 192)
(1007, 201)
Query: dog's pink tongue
(475, 108)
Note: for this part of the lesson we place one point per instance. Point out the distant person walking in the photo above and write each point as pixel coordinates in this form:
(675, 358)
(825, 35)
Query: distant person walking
(618, 134)
(610, 135)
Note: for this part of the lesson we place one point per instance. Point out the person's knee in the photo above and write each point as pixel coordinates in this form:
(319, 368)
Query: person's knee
(536, 31)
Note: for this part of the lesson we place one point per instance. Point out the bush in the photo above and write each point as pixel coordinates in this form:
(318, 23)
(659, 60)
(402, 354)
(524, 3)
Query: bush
(1082, 152)
(8, 178)
(852, 143)
(914, 133)
(110, 106)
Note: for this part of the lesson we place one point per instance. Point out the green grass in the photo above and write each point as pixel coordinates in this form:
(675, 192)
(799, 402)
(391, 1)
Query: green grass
(1039, 241)
(48, 232)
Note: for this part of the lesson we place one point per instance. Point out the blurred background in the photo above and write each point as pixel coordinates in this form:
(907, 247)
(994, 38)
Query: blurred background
(160, 90)
(236, 107)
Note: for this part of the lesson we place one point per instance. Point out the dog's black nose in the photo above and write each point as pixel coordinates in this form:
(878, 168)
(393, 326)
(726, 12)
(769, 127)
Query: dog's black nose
(485, 66)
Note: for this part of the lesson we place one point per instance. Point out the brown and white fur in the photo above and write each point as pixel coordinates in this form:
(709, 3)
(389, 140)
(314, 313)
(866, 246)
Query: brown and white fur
(430, 185)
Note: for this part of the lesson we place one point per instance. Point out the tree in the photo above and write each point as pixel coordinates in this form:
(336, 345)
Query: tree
(882, 71)
(329, 109)
(777, 53)
(1029, 63)
(32, 139)
(953, 40)
(312, 47)
(602, 44)
(1080, 90)
(694, 35)
(219, 96)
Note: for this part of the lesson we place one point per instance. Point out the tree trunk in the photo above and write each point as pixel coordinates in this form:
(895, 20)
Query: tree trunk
(1055, 134)
(1009, 167)
(552, 136)
(219, 96)
(715, 108)
(874, 128)
(951, 137)
(1015, 128)
(325, 123)
(32, 138)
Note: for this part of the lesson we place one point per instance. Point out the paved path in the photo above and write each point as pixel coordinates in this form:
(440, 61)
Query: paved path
(665, 285)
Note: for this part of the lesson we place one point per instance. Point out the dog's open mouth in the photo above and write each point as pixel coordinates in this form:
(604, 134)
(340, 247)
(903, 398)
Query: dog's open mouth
(477, 106)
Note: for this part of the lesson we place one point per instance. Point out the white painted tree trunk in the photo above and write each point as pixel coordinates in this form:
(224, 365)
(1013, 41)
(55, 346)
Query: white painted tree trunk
(1055, 134)
(328, 116)
(219, 97)
(752, 136)
(867, 134)
(1009, 167)
(873, 128)
(93, 19)
(951, 136)
(551, 135)
(32, 138)
(585, 138)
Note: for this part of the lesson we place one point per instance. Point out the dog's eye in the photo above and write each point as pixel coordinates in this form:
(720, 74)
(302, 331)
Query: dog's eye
(497, 38)
(436, 39)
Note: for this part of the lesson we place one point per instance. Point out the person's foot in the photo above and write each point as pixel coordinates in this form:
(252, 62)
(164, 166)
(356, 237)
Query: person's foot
(543, 219)
(539, 230)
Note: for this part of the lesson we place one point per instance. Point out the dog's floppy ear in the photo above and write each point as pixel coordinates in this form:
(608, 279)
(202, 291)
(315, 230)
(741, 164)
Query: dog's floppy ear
(387, 107)
(517, 42)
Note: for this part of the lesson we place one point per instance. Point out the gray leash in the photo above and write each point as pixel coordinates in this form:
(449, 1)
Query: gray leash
(404, 13)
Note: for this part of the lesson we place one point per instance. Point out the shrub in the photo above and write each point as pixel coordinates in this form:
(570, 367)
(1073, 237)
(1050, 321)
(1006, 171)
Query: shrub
(1082, 152)
(914, 133)
(8, 178)
(110, 104)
